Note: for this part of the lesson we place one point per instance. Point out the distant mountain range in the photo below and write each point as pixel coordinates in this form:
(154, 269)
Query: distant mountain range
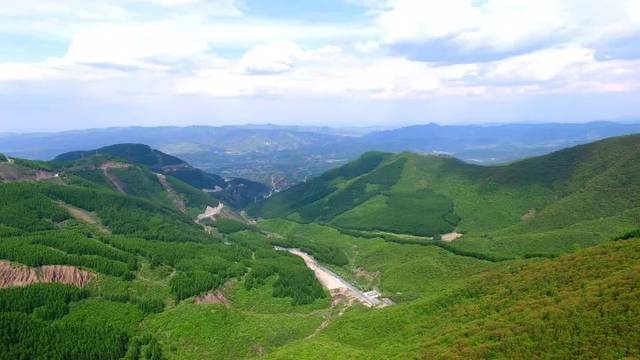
(280, 156)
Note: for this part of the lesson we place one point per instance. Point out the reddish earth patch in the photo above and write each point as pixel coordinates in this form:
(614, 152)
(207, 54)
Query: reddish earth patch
(20, 275)
(213, 298)
(11, 172)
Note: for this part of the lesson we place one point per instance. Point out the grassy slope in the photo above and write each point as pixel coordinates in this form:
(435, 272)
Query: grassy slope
(583, 305)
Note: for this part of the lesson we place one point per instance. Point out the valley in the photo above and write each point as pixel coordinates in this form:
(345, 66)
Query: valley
(392, 255)
(319, 180)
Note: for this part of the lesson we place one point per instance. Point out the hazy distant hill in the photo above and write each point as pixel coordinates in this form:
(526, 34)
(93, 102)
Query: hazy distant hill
(281, 156)
(493, 144)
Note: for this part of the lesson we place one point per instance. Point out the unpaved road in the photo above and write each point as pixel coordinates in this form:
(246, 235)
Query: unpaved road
(333, 282)
(106, 170)
(85, 216)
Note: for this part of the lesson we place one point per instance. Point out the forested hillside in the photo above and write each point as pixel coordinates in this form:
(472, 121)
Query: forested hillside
(147, 261)
(539, 206)
(583, 305)
(236, 192)
(104, 258)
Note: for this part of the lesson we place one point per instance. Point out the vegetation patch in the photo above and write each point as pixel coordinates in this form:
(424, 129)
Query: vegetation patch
(422, 213)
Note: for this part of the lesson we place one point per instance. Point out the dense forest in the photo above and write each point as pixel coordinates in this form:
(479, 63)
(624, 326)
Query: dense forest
(537, 258)
(123, 239)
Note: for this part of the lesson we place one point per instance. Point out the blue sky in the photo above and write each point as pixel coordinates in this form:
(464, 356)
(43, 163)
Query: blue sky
(70, 64)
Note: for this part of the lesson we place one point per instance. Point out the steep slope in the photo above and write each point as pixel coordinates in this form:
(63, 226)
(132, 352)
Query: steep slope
(431, 195)
(236, 192)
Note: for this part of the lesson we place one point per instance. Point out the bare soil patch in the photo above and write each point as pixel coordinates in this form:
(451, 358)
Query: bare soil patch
(210, 213)
(12, 275)
(216, 297)
(451, 236)
(337, 286)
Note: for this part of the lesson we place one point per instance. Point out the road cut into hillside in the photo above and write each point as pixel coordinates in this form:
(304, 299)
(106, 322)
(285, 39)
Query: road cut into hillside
(337, 286)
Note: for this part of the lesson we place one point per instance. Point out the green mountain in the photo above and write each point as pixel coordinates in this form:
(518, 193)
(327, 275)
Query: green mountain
(511, 210)
(135, 153)
(237, 192)
(84, 264)
(103, 257)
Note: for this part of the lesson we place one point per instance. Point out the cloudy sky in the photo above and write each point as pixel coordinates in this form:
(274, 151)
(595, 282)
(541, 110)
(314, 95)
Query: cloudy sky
(68, 64)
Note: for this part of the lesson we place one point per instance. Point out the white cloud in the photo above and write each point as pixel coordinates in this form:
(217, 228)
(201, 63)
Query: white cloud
(281, 56)
(503, 25)
(273, 58)
(182, 52)
(367, 47)
(26, 71)
(219, 8)
(135, 44)
(78, 10)
(539, 66)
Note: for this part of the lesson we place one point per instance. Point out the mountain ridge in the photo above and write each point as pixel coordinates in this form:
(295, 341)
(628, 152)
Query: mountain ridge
(432, 195)
(237, 192)
(285, 155)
